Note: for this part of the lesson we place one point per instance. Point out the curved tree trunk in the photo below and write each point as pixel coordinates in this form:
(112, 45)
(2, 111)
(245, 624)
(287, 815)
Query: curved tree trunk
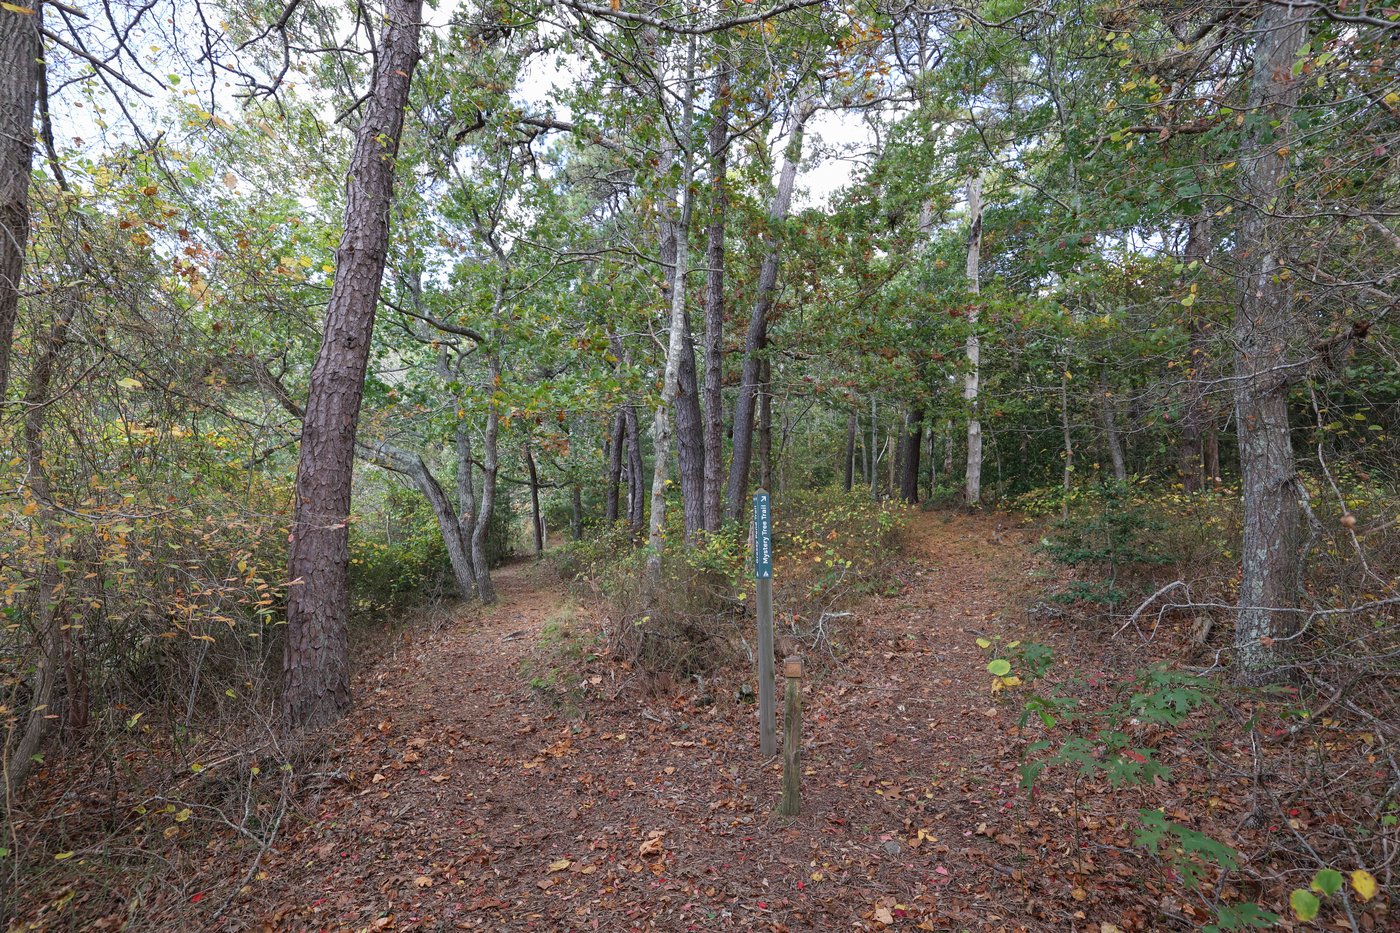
(410, 464)
(757, 338)
(316, 675)
(48, 628)
(1265, 327)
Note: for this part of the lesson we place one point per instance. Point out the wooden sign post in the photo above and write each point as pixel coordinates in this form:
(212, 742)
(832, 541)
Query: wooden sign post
(792, 739)
(763, 577)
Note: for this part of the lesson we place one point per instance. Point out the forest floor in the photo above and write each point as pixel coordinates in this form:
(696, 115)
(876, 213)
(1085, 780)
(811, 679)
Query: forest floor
(480, 790)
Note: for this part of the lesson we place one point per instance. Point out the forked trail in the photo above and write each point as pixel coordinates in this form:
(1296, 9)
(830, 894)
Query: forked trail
(471, 802)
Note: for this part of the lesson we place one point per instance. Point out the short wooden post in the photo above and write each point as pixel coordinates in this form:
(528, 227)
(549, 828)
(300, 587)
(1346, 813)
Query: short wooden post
(763, 577)
(792, 739)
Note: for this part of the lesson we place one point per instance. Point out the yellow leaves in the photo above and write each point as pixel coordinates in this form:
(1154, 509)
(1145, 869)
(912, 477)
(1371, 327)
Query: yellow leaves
(23, 11)
(923, 836)
(59, 856)
(1364, 884)
(129, 383)
(183, 815)
(560, 865)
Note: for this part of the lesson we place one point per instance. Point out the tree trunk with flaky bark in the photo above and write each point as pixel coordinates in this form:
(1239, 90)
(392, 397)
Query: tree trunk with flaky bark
(971, 381)
(1266, 325)
(316, 675)
(756, 340)
(20, 67)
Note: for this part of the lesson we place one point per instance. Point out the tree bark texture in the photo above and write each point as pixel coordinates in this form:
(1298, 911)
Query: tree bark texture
(20, 68)
(1266, 323)
(714, 301)
(852, 428)
(316, 676)
(913, 450)
(675, 349)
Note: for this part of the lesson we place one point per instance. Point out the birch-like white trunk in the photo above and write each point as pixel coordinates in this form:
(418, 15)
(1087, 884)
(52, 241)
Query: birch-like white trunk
(661, 425)
(972, 379)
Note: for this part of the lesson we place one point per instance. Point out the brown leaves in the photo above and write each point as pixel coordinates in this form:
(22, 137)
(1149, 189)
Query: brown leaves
(652, 845)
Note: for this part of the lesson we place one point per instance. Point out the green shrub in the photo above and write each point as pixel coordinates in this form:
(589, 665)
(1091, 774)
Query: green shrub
(829, 545)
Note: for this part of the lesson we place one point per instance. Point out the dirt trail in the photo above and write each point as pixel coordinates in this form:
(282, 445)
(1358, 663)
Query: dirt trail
(469, 802)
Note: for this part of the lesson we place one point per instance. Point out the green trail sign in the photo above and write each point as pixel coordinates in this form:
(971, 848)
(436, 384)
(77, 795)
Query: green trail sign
(763, 574)
(762, 537)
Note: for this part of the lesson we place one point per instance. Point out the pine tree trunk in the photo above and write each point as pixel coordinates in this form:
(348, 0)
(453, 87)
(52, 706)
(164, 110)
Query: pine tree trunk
(756, 340)
(1266, 324)
(316, 674)
(576, 515)
(913, 449)
(690, 437)
(1068, 440)
(971, 381)
(765, 428)
(714, 301)
(20, 67)
(536, 520)
(615, 445)
(852, 429)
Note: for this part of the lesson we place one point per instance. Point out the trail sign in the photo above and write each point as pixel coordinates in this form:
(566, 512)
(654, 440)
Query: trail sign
(763, 574)
(762, 536)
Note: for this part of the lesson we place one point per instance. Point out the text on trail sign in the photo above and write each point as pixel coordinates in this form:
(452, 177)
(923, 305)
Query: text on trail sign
(762, 537)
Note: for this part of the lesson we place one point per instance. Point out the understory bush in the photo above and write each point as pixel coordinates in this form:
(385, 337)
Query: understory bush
(828, 546)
